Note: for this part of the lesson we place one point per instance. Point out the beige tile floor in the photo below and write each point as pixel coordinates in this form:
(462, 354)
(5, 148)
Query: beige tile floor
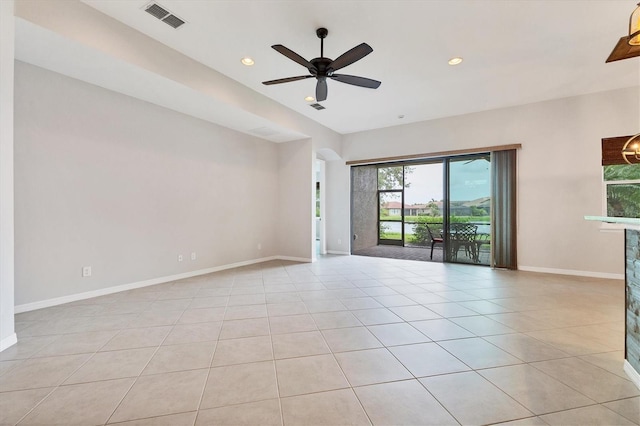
(346, 340)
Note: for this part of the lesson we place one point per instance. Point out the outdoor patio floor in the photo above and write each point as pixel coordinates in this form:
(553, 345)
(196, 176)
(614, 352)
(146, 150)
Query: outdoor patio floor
(417, 253)
(398, 252)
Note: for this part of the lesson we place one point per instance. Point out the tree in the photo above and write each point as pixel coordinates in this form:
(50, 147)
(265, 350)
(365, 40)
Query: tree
(421, 234)
(478, 211)
(623, 200)
(621, 172)
(434, 210)
(394, 177)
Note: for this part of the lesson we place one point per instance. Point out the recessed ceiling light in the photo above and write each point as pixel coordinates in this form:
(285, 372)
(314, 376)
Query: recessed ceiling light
(247, 61)
(455, 61)
(309, 99)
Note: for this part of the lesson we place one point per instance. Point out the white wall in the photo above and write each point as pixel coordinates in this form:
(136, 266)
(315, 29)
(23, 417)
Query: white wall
(124, 186)
(296, 189)
(80, 148)
(555, 192)
(338, 207)
(7, 333)
(90, 28)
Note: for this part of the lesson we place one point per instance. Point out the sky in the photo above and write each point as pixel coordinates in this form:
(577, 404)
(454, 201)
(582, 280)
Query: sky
(469, 181)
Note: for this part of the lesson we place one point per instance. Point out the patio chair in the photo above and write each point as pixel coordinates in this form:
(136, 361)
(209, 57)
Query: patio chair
(482, 239)
(435, 233)
(463, 235)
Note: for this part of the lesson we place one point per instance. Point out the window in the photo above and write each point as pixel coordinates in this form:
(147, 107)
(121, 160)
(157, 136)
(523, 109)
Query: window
(390, 205)
(317, 199)
(621, 190)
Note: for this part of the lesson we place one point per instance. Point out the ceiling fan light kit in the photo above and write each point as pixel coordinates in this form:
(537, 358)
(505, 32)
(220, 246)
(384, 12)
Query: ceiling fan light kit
(322, 68)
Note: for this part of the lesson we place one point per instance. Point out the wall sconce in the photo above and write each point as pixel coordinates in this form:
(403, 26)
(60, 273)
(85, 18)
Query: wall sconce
(631, 150)
(628, 46)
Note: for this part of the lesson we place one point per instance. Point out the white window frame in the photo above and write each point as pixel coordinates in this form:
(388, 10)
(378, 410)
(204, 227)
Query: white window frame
(605, 183)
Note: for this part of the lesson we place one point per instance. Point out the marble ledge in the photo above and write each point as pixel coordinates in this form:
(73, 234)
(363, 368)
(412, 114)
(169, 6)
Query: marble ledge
(628, 222)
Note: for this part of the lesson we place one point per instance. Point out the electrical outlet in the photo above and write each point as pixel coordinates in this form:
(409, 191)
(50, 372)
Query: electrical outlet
(339, 241)
(180, 258)
(86, 271)
(259, 246)
(193, 255)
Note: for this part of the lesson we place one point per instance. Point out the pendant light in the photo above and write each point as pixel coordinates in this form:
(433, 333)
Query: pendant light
(628, 46)
(631, 150)
(634, 27)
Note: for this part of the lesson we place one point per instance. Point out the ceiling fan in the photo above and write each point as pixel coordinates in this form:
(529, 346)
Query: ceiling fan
(322, 68)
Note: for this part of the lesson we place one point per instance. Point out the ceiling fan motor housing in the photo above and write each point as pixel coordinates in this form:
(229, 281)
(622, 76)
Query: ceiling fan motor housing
(322, 67)
(322, 33)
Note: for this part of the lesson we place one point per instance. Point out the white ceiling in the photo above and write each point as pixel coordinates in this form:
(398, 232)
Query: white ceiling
(515, 52)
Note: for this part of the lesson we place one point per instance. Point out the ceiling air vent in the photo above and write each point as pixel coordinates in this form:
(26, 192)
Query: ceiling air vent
(157, 11)
(173, 20)
(317, 106)
(164, 15)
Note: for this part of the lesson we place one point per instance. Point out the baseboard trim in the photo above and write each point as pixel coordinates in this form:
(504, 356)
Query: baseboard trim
(632, 373)
(8, 341)
(295, 259)
(338, 252)
(132, 286)
(590, 274)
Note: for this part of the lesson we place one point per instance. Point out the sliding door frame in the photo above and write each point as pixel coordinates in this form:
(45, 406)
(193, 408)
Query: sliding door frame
(390, 242)
(445, 159)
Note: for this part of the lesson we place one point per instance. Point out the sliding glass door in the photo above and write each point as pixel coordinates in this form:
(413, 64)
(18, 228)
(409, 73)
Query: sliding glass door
(468, 211)
(423, 196)
(462, 208)
(390, 205)
(390, 217)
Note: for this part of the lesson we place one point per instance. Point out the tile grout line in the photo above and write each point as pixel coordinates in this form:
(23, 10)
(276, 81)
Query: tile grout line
(275, 367)
(56, 387)
(213, 355)
(415, 378)
(139, 375)
(342, 370)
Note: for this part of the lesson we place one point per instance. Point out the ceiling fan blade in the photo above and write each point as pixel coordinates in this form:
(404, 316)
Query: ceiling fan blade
(350, 56)
(286, 80)
(321, 90)
(294, 56)
(357, 81)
